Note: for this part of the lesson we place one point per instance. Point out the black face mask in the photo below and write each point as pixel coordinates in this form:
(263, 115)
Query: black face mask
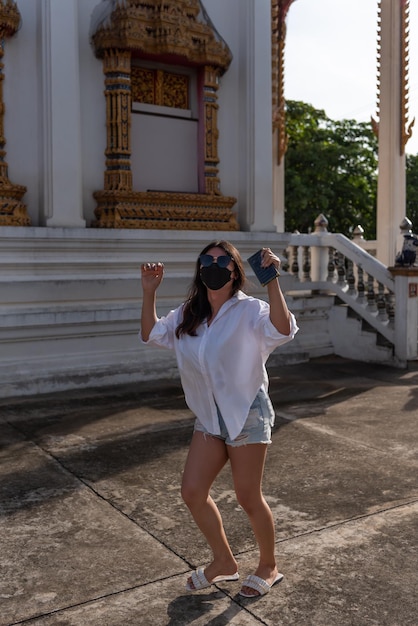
(215, 277)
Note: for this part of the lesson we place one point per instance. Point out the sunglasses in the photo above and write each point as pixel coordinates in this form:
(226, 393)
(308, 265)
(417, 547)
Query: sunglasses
(206, 260)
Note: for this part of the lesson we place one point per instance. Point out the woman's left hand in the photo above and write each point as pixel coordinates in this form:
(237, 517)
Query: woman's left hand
(279, 313)
(269, 258)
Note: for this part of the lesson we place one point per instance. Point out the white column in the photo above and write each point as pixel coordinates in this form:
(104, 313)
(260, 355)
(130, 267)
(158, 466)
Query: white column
(257, 123)
(62, 119)
(278, 187)
(391, 190)
(406, 313)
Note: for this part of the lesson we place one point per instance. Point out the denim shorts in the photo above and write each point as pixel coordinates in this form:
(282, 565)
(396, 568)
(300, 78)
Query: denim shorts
(257, 428)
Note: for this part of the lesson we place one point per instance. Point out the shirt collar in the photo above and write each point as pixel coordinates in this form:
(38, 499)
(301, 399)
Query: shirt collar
(240, 295)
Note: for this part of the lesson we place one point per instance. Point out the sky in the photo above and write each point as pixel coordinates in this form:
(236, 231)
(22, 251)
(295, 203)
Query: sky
(331, 59)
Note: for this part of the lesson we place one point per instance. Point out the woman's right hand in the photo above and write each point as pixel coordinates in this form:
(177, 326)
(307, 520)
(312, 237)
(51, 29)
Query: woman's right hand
(151, 276)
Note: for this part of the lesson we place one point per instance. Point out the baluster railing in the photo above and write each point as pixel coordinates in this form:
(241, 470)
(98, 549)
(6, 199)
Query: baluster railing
(371, 297)
(295, 261)
(306, 267)
(351, 279)
(285, 263)
(331, 264)
(341, 269)
(360, 284)
(390, 307)
(377, 294)
(381, 303)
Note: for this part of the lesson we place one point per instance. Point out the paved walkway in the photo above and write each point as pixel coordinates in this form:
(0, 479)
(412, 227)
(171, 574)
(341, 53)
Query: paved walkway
(93, 530)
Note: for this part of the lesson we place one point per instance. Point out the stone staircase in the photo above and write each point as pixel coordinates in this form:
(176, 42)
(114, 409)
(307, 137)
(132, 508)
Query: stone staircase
(374, 315)
(354, 338)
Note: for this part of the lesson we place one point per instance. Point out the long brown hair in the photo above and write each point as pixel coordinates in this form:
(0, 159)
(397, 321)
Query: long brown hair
(197, 307)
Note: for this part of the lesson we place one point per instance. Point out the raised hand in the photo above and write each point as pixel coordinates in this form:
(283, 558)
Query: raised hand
(151, 275)
(269, 258)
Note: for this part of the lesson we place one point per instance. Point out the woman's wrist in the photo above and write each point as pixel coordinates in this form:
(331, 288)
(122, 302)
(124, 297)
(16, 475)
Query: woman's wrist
(273, 284)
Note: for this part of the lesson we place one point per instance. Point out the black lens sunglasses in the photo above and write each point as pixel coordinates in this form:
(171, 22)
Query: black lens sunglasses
(206, 260)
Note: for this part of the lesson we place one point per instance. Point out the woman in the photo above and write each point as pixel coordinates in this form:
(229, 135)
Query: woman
(222, 339)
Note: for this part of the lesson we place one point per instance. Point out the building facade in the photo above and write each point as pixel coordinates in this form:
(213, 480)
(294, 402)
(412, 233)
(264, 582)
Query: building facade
(133, 131)
(139, 132)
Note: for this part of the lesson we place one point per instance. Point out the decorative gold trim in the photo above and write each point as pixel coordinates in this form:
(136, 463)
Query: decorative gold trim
(406, 130)
(161, 88)
(117, 70)
(210, 99)
(12, 210)
(164, 211)
(176, 31)
(279, 9)
(9, 18)
(172, 28)
(406, 124)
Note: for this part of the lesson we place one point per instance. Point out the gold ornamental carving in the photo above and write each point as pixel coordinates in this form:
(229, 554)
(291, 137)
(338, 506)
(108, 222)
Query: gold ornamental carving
(406, 123)
(117, 70)
(159, 87)
(279, 9)
(160, 210)
(177, 32)
(406, 131)
(155, 27)
(212, 182)
(12, 210)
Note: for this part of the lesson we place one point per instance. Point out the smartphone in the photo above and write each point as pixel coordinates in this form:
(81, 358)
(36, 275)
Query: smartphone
(264, 274)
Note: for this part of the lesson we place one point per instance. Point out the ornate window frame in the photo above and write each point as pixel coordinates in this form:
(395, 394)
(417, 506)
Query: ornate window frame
(177, 32)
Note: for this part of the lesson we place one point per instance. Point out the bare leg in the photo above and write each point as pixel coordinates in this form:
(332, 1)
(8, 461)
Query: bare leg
(207, 456)
(247, 463)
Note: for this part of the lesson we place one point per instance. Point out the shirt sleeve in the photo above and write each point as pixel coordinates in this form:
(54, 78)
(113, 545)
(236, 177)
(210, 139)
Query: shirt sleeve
(163, 333)
(269, 333)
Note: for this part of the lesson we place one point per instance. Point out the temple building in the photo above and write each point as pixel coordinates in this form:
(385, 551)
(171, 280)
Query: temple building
(130, 123)
(134, 131)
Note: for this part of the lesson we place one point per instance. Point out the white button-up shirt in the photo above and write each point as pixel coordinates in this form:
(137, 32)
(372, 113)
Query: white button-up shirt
(224, 364)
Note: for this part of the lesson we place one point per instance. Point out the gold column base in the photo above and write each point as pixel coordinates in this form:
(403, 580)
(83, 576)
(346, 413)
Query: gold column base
(12, 211)
(164, 210)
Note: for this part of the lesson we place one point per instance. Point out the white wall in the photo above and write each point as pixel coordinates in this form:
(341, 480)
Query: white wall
(244, 94)
(71, 296)
(229, 97)
(93, 112)
(245, 109)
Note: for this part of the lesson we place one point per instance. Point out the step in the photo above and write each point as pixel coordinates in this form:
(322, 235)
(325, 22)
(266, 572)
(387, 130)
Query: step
(353, 341)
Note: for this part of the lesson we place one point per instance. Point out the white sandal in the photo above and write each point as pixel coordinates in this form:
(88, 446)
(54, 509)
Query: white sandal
(258, 584)
(200, 581)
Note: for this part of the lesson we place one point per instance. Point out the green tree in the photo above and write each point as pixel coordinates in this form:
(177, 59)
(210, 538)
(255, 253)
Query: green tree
(330, 168)
(412, 189)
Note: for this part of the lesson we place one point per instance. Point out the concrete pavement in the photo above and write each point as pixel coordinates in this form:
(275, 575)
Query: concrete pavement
(93, 530)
